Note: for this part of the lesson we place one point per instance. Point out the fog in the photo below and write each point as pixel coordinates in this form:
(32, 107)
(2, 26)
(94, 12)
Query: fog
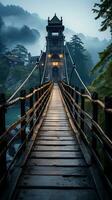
(20, 26)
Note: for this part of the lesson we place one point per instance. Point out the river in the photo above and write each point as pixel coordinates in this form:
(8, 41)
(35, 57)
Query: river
(12, 115)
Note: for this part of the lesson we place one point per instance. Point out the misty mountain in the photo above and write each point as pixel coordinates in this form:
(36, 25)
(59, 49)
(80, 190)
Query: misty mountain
(18, 17)
(30, 25)
(11, 10)
(10, 35)
(94, 45)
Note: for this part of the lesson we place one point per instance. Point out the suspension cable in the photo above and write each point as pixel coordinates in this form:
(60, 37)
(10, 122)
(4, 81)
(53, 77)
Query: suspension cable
(44, 70)
(19, 88)
(66, 69)
(74, 68)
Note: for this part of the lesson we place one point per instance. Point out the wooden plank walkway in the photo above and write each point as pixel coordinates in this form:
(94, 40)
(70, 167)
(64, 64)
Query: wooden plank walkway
(56, 168)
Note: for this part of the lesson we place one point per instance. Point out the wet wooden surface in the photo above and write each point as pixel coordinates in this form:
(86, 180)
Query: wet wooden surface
(56, 168)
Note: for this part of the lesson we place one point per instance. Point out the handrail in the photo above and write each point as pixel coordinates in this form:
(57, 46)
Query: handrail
(38, 99)
(24, 82)
(99, 102)
(99, 140)
(101, 132)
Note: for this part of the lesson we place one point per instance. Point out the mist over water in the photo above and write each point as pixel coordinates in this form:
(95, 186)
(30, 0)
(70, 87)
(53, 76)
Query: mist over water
(20, 26)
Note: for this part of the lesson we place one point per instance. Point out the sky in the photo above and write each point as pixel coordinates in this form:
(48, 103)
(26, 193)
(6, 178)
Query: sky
(77, 14)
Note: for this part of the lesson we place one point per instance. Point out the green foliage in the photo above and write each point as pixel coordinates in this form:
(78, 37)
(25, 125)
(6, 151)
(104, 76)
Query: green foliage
(18, 74)
(104, 10)
(4, 70)
(20, 52)
(104, 57)
(103, 83)
(82, 60)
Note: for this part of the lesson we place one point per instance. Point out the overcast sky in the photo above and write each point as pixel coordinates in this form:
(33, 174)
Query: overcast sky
(77, 14)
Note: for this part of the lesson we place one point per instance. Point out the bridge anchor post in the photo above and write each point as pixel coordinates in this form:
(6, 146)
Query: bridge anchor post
(82, 108)
(32, 113)
(108, 117)
(95, 118)
(23, 112)
(3, 142)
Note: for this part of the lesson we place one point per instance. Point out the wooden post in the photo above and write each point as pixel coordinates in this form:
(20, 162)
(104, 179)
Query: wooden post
(31, 107)
(108, 117)
(76, 100)
(3, 143)
(23, 112)
(82, 108)
(36, 99)
(108, 132)
(39, 110)
(72, 92)
(95, 118)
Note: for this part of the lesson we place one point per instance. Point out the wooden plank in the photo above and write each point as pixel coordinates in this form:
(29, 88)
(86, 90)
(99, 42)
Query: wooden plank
(56, 148)
(55, 194)
(58, 171)
(56, 115)
(56, 168)
(63, 143)
(57, 138)
(55, 128)
(56, 133)
(47, 124)
(56, 120)
(56, 155)
(57, 162)
(36, 181)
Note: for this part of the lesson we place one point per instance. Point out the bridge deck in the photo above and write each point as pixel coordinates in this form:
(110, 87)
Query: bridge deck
(56, 168)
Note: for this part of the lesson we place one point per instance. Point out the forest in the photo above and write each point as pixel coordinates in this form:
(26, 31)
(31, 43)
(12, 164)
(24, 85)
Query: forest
(14, 68)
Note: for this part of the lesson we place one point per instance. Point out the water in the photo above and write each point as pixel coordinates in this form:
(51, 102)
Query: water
(12, 115)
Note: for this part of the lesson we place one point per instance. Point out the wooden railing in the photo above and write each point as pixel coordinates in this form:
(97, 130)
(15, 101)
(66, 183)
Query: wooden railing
(10, 141)
(96, 136)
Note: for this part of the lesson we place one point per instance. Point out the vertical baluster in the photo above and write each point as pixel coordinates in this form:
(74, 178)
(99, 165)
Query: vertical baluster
(108, 117)
(3, 143)
(108, 132)
(41, 104)
(95, 118)
(36, 100)
(76, 100)
(23, 112)
(82, 108)
(72, 105)
(39, 109)
(31, 115)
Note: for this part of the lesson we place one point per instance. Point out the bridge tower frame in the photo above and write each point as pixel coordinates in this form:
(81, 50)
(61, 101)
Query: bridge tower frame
(55, 48)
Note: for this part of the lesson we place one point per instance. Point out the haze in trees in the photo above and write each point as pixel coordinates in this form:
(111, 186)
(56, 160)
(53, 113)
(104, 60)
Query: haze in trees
(103, 69)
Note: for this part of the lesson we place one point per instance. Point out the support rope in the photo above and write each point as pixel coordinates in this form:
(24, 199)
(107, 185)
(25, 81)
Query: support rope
(19, 88)
(45, 67)
(74, 69)
(66, 69)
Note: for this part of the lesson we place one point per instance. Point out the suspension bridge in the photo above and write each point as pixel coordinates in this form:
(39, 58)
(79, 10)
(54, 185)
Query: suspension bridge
(60, 148)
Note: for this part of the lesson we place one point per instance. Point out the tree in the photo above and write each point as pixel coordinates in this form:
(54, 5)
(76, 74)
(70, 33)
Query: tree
(81, 59)
(20, 52)
(103, 81)
(103, 69)
(2, 46)
(104, 10)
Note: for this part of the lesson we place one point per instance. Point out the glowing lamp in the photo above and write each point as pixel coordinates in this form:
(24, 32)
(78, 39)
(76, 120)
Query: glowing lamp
(55, 64)
(49, 55)
(61, 55)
